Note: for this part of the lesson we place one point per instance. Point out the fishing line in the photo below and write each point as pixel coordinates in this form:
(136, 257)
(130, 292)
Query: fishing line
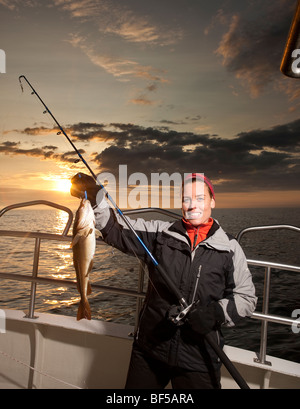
(170, 284)
(39, 372)
(154, 261)
(107, 195)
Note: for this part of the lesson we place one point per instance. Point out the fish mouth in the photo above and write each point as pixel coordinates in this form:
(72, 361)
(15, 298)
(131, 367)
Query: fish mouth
(84, 202)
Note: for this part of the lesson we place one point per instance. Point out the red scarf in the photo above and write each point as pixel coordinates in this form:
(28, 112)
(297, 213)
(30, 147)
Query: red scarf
(197, 233)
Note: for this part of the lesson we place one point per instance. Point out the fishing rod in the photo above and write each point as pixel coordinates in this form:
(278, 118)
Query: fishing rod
(172, 287)
(290, 61)
(47, 110)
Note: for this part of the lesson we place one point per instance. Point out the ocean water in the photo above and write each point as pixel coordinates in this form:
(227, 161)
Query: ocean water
(112, 268)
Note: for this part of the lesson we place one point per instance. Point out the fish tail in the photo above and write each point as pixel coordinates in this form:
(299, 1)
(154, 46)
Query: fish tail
(84, 310)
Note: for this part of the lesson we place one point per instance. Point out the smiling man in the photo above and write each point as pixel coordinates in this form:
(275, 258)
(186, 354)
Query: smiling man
(208, 267)
(198, 200)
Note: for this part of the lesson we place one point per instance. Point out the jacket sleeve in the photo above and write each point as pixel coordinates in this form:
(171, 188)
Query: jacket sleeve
(116, 233)
(240, 300)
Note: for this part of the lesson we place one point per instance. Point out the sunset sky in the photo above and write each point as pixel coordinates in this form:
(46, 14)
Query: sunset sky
(159, 86)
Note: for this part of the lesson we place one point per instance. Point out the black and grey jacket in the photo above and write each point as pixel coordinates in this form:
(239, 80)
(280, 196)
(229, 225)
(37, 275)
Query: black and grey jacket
(224, 278)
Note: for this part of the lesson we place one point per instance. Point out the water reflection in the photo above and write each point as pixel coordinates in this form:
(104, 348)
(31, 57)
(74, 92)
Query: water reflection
(65, 303)
(65, 261)
(60, 222)
(111, 268)
(63, 250)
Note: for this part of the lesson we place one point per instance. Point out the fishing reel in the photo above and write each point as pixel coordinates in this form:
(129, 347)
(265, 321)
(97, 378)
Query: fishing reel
(177, 313)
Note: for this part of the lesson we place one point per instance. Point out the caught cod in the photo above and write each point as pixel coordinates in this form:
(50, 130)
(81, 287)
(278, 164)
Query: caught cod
(83, 246)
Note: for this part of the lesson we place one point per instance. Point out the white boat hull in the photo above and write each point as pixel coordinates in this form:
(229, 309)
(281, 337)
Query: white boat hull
(56, 351)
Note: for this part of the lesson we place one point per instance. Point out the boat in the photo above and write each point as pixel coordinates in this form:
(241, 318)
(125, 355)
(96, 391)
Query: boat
(53, 351)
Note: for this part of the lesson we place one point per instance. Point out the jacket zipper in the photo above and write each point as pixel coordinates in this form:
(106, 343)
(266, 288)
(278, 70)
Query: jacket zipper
(197, 282)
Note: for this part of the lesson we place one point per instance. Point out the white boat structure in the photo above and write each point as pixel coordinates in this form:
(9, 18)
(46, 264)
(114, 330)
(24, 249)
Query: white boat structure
(55, 351)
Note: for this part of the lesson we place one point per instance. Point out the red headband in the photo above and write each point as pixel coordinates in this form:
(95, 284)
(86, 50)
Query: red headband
(203, 178)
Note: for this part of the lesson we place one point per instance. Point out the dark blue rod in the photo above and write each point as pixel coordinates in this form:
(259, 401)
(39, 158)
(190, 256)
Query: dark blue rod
(154, 261)
(228, 364)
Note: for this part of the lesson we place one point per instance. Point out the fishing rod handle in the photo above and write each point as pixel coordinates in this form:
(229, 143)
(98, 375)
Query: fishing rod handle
(226, 361)
(172, 287)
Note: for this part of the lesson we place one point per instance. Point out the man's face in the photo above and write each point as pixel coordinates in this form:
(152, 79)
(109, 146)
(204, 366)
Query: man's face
(196, 202)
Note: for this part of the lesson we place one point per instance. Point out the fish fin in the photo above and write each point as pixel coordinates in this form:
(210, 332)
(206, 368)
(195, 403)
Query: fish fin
(81, 234)
(89, 289)
(90, 267)
(75, 240)
(84, 311)
(87, 231)
(98, 233)
(77, 274)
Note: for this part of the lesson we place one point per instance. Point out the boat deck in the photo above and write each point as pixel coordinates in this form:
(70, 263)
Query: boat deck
(56, 351)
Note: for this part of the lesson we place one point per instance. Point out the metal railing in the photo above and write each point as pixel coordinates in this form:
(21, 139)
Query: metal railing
(64, 237)
(264, 316)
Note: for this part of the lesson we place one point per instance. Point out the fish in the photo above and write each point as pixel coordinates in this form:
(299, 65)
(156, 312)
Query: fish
(83, 247)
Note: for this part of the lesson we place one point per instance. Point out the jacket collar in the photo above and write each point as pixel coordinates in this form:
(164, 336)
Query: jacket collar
(216, 237)
(218, 240)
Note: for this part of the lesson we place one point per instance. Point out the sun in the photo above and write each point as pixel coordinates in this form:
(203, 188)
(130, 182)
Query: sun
(63, 185)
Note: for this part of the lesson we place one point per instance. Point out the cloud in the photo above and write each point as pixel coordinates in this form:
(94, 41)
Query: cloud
(16, 4)
(39, 130)
(9, 4)
(138, 29)
(252, 49)
(220, 18)
(257, 160)
(46, 152)
(252, 161)
(109, 17)
(50, 147)
(124, 70)
(186, 121)
(77, 9)
(141, 100)
(121, 68)
(82, 8)
(120, 20)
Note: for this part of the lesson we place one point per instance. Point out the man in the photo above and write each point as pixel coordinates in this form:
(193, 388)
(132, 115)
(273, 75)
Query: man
(207, 266)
